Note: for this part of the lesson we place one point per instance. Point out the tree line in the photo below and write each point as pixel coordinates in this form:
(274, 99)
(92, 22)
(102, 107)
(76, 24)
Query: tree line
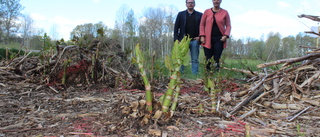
(153, 31)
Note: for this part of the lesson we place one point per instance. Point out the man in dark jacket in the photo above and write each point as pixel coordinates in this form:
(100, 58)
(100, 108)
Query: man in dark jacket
(187, 23)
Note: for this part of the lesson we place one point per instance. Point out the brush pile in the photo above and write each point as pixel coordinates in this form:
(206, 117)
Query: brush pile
(99, 62)
(284, 101)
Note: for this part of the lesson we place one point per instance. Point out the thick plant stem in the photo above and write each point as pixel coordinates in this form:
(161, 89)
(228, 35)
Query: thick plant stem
(214, 90)
(176, 96)
(139, 61)
(179, 52)
(64, 77)
(213, 95)
(169, 93)
(147, 87)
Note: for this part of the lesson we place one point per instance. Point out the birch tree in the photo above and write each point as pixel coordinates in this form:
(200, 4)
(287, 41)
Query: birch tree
(130, 27)
(154, 22)
(11, 11)
(120, 22)
(27, 25)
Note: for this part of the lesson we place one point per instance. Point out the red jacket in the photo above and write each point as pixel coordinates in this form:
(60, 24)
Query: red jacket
(223, 22)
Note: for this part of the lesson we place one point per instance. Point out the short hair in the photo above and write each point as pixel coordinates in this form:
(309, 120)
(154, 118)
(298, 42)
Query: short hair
(193, 0)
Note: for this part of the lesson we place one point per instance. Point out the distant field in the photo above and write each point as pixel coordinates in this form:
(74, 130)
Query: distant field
(242, 64)
(12, 46)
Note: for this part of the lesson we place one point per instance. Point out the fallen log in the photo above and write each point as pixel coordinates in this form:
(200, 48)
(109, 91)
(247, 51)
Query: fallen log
(247, 72)
(289, 61)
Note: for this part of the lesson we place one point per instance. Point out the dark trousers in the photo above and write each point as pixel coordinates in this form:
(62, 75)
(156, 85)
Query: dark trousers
(215, 52)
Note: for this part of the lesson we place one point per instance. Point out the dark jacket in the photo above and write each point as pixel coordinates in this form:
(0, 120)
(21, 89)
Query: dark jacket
(180, 24)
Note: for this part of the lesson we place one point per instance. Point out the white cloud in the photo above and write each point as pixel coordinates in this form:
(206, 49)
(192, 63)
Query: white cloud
(37, 17)
(305, 6)
(282, 4)
(254, 23)
(66, 25)
(261, 18)
(62, 20)
(96, 1)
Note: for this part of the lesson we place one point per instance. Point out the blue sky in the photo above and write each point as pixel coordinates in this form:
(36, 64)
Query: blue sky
(249, 18)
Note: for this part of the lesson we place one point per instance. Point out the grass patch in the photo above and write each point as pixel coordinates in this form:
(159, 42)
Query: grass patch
(11, 53)
(11, 46)
(245, 64)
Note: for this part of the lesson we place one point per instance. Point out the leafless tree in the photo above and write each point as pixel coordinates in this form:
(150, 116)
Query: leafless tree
(54, 33)
(27, 29)
(171, 12)
(11, 10)
(130, 27)
(1, 18)
(154, 23)
(122, 14)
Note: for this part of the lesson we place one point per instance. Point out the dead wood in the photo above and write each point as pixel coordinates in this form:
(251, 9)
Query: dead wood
(281, 106)
(306, 99)
(311, 17)
(311, 79)
(298, 114)
(247, 72)
(290, 93)
(290, 60)
(312, 32)
(246, 101)
(248, 113)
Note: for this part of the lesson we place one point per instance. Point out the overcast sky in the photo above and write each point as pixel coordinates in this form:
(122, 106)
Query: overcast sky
(249, 18)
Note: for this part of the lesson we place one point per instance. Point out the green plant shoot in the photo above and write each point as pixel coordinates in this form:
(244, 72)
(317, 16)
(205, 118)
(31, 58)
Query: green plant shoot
(179, 51)
(139, 60)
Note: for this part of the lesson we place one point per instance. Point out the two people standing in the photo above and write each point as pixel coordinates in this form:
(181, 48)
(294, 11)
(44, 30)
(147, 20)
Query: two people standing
(211, 29)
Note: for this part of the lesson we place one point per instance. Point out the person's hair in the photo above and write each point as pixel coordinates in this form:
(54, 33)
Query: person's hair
(193, 0)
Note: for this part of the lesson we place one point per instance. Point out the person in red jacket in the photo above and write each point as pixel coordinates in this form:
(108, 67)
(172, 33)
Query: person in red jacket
(215, 28)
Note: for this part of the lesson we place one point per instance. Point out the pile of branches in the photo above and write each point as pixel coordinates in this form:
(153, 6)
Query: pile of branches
(102, 61)
(290, 94)
(284, 101)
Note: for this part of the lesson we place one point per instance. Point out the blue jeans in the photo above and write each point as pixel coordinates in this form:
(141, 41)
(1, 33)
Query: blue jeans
(194, 52)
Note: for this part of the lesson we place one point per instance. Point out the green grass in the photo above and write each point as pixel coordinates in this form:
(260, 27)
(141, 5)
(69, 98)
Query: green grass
(11, 46)
(245, 64)
(242, 64)
(11, 53)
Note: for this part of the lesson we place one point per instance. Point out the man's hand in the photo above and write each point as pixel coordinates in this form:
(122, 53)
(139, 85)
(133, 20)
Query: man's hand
(224, 38)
